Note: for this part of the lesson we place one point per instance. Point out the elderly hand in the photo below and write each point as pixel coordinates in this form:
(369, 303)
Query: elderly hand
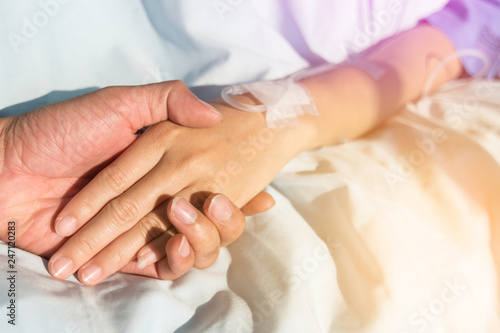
(170, 167)
(50, 154)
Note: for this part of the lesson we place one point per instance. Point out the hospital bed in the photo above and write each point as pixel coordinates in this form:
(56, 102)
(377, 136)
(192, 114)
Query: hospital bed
(393, 232)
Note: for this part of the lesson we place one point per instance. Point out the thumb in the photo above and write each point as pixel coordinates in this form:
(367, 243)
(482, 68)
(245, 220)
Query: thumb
(184, 108)
(170, 100)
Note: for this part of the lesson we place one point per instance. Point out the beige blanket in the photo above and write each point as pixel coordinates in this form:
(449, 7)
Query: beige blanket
(409, 215)
(395, 232)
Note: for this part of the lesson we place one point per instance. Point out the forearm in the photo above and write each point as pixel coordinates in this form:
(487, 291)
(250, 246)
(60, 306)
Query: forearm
(351, 102)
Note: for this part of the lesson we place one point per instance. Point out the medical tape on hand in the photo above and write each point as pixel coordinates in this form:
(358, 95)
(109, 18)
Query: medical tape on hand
(284, 100)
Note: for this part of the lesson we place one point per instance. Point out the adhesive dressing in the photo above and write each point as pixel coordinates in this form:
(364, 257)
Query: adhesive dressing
(286, 99)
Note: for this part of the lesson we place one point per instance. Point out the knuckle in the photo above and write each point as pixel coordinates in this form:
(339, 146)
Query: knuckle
(195, 161)
(186, 163)
(123, 211)
(109, 89)
(86, 206)
(151, 227)
(207, 259)
(176, 91)
(114, 94)
(86, 246)
(117, 259)
(105, 90)
(229, 232)
(203, 242)
(114, 178)
(169, 270)
(228, 237)
(207, 250)
(178, 84)
(166, 133)
(164, 92)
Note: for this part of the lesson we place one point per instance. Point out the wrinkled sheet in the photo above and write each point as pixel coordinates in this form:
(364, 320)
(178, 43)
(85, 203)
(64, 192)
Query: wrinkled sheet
(389, 233)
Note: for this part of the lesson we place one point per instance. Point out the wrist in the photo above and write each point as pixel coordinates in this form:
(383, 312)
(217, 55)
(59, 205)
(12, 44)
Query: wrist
(290, 140)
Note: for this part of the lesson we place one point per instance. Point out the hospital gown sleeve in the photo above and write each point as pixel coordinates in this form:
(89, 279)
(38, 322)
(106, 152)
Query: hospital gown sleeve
(472, 24)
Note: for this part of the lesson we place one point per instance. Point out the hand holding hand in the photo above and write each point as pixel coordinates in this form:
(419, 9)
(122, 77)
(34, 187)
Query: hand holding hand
(126, 203)
(50, 154)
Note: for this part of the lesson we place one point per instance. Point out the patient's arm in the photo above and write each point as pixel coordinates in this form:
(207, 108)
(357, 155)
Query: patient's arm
(241, 155)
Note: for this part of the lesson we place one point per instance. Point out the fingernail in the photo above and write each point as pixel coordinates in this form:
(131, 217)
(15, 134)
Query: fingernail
(184, 248)
(211, 108)
(146, 259)
(91, 273)
(184, 211)
(220, 209)
(62, 267)
(65, 226)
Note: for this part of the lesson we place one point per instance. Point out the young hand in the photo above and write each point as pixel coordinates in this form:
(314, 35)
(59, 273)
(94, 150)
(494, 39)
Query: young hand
(126, 203)
(166, 258)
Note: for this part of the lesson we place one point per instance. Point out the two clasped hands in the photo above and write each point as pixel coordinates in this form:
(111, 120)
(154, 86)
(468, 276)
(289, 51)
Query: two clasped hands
(88, 191)
(78, 169)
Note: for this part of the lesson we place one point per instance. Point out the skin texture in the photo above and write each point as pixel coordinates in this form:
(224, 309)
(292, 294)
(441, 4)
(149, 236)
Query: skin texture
(50, 154)
(167, 161)
(241, 156)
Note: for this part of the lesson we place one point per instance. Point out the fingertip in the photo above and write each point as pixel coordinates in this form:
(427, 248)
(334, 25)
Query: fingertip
(178, 249)
(218, 208)
(60, 268)
(268, 201)
(145, 258)
(197, 115)
(182, 211)
(91, 275)
(227, 218)
(217, 116)
(262, 202)
(65, 226)
(184, 108)
(179, 259)
(184, 248)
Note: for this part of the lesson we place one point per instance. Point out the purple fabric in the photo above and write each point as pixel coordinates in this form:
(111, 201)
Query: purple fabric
(472, 24)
